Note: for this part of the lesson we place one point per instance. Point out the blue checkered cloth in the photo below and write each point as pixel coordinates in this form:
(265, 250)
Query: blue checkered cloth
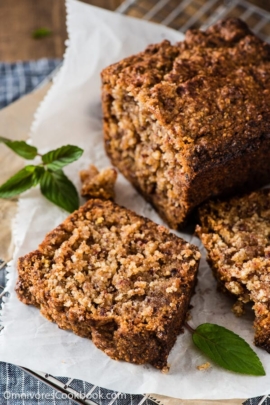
(17, 387)
(20, 78)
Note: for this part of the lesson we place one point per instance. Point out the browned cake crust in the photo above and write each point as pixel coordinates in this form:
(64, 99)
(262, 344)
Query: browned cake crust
(114, 277)
(189, 121)
(236, 234)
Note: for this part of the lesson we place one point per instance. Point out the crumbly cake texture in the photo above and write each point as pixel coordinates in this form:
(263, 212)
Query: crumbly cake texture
(190, 121)
(97, 184)
(236, 235)
(114, 277)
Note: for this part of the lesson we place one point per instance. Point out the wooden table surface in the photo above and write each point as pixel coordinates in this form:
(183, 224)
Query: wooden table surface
(19, 18)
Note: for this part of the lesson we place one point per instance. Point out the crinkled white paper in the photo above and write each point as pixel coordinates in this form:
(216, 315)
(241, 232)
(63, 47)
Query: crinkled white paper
(71, 113)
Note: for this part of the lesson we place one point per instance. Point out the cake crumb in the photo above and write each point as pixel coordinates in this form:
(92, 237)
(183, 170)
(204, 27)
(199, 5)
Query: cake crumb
(204, 366)
(98, 184)
(238, 308)
(188, 316)
(165, 369)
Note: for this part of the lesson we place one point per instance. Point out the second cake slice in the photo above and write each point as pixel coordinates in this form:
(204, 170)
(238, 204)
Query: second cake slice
(236, 234)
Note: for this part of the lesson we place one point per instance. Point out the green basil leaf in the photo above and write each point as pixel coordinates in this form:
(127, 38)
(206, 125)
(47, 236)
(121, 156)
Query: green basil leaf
(42, 32)
(21, 148)
(58, 189)
(58, 158)
(227, 349)
(26, 178)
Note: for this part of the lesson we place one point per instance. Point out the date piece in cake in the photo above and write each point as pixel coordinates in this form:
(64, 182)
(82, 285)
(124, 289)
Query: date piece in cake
(114, 277)
(236, 235)
(98, 184)
(190, 121)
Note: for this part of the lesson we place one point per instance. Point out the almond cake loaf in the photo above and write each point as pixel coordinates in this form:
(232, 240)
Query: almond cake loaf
(190, 121)
(114, 277)
(236, 235)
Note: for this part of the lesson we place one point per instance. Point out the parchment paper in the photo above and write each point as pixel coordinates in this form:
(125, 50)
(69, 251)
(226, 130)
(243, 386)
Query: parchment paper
(71, 113)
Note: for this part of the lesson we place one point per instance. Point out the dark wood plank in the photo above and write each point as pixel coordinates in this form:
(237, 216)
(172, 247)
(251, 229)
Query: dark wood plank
(19, 18)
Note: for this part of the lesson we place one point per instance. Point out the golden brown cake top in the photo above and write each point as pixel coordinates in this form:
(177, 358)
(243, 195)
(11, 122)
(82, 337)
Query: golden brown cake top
(211, 92)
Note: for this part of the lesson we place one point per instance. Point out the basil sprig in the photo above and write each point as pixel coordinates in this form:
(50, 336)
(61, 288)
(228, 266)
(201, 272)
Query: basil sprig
(58, 158)
(21, 148)
(54, 184)
(226, 349)
(57, 188)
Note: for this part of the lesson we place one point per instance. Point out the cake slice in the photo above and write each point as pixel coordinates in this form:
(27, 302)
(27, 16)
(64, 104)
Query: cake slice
(190, 121)
(114, 277)
(236, 235)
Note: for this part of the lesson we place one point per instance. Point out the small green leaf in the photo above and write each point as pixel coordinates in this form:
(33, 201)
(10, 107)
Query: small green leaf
(58, 189)
(42, 32)
(58, 158)
(21, 148)
(26, 178)
(227, 349)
